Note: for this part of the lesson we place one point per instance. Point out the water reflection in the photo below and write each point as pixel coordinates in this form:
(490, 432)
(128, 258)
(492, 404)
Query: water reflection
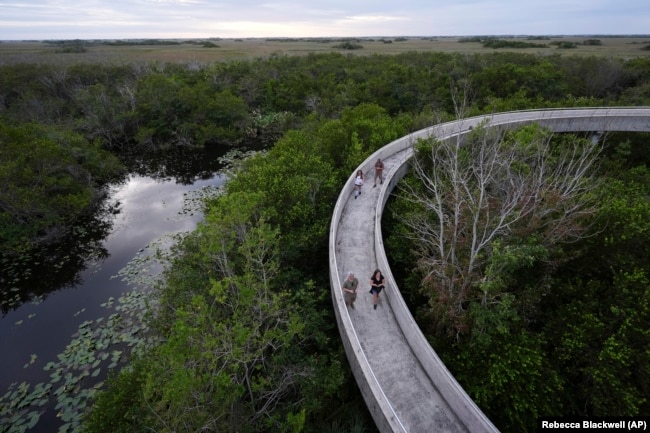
(41, 271)
(66, 285)
(184, 165)
(82, 245)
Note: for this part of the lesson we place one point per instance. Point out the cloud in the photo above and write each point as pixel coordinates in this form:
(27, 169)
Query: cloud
(89, 19)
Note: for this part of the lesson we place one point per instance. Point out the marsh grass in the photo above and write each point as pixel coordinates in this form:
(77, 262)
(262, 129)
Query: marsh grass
(238, 49)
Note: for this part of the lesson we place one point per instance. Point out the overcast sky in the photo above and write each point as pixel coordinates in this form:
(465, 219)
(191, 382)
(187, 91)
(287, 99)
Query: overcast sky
(121, 19)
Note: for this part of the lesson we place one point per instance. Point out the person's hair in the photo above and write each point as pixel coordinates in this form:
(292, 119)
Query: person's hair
(375, 273)
(351, 273)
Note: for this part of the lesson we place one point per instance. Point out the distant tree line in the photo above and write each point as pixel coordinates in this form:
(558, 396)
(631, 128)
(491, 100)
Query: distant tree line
(493, 42)
(499, 43)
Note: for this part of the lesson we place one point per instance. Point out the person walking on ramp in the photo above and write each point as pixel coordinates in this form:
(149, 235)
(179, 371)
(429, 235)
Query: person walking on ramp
(350, 286)
(376, 286)
(358, 182)
(379, 171)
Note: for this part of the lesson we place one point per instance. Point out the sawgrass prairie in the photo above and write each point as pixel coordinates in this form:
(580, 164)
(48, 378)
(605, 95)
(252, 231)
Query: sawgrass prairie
(215, 49)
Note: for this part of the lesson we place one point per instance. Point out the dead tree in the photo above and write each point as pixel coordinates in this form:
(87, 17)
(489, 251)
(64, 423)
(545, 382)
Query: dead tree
(494, 185)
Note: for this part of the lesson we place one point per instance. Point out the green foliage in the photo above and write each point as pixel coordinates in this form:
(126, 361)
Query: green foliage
(294, 181)
(517, 383)
(604, 298)
(248, 334)
(372, 125)
(121, 410)
(163, 104)
(49, 178)
(244, 306)
(564, 45)
(536, 82)
(627, 152)
(75, 46)
(498, 43)
(232, 350)
(235, 348)
(516, 101)
(107, 115)
(474, 39)
(557, 331)
(171, 111)
(298, 178)
(348, 46)
(606, 79)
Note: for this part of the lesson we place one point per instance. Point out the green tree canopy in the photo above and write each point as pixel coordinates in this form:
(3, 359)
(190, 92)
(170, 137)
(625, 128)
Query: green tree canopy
(48, 178)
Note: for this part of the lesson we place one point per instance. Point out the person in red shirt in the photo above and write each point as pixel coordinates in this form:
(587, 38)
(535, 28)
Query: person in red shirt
(379, 171)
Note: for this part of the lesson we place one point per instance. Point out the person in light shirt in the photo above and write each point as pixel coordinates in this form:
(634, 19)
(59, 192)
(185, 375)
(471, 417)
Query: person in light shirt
(350, 286)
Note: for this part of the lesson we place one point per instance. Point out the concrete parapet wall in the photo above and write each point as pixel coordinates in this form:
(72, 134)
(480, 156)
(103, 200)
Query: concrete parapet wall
(563, 120)
(378, 405)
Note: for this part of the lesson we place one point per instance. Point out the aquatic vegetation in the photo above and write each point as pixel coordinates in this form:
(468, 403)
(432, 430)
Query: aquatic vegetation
(97, 347)
(194, 201)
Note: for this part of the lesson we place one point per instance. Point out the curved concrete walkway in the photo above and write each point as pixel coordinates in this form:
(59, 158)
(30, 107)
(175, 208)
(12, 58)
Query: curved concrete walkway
(404, 384)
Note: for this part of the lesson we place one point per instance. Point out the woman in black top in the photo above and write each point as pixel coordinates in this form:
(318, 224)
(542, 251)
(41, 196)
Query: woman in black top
(376, 286)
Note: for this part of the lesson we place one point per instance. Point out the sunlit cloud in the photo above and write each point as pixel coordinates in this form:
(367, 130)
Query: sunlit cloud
(364, 19)
(56, 19)
(264, 29)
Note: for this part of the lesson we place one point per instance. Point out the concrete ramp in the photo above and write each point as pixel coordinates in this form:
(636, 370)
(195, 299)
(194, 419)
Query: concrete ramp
(405, 385)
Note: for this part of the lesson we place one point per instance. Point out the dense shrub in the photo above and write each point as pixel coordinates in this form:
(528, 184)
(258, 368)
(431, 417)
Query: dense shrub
(498, 43)
(348, 46)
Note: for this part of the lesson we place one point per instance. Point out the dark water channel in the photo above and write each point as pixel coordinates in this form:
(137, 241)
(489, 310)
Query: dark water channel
(55, 298)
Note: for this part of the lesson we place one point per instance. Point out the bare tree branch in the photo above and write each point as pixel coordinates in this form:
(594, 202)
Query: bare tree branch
(495, 184)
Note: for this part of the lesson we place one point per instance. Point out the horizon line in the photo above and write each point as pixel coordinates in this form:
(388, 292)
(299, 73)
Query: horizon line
(516, 35)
